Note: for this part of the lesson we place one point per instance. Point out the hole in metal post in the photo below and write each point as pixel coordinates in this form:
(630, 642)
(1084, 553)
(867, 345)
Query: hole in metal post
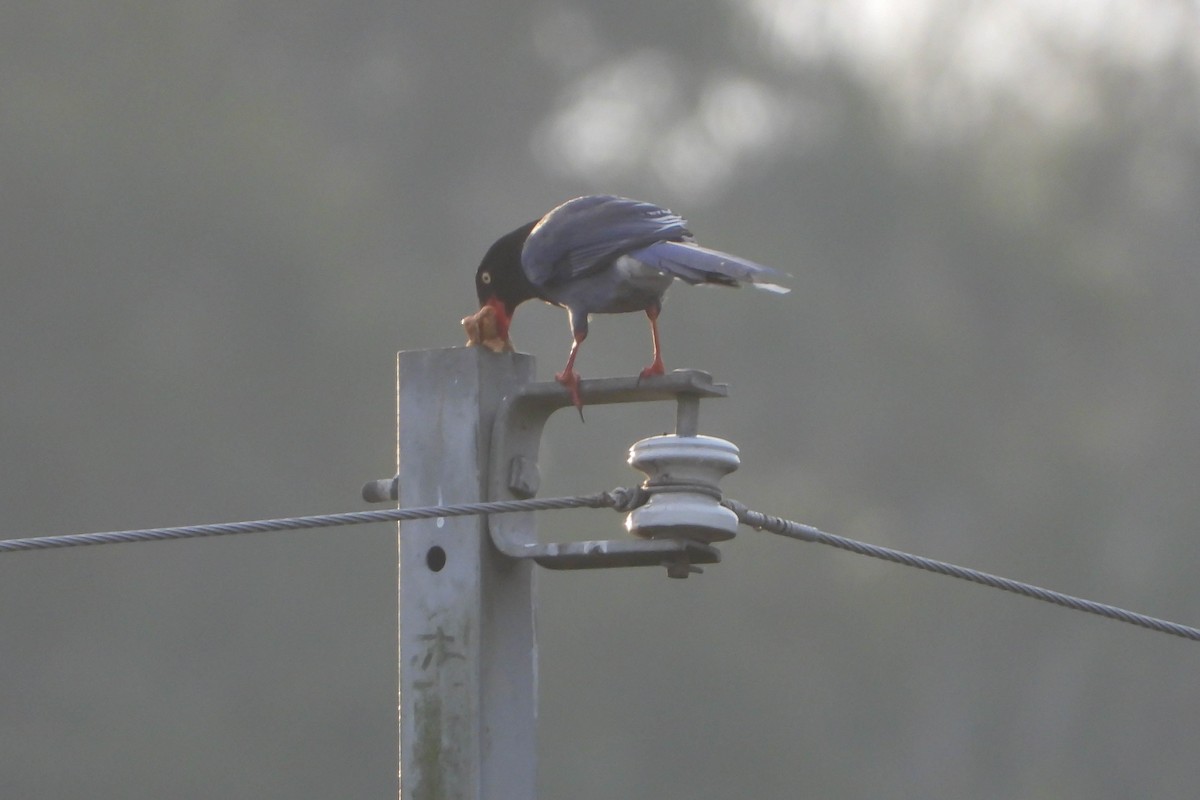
(435, 559)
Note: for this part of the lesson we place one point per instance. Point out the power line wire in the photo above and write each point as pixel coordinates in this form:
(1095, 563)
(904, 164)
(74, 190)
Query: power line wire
(807, 533)
(622, 500)
(616, 498)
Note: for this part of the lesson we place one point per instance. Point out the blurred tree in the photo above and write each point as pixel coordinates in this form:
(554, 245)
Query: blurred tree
(220, 220)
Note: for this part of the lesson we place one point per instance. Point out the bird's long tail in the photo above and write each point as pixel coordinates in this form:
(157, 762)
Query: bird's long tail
(695, 264)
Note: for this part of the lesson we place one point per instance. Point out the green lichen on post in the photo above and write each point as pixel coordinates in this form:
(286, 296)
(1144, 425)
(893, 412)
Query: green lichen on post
(430, 777)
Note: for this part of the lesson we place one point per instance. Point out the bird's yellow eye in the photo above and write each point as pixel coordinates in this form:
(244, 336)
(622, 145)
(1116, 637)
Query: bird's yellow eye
(486, 277)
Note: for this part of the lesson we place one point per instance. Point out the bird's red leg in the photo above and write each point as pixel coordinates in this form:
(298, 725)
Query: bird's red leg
(656, 367)
(569, 377)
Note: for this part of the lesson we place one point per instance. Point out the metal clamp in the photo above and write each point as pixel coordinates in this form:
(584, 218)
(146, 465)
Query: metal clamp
(513, 471)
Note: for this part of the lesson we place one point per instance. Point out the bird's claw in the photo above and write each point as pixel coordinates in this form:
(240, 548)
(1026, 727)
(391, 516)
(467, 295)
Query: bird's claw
(570, 379)
(651, 371)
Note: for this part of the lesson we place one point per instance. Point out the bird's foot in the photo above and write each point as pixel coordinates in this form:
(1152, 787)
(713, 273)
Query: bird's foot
(651, 371)
(570, 379)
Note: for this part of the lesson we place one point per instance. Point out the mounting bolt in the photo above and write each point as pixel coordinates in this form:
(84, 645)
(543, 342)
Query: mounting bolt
(682, 477)
(681, 569)
(523, 477)
(382, 490)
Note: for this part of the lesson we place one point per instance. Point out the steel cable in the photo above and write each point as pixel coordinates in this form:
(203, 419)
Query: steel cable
(807, 533)
(620, 499)
(617, 498)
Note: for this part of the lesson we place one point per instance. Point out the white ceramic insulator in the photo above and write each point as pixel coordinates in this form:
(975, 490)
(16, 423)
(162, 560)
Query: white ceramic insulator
(681, 461)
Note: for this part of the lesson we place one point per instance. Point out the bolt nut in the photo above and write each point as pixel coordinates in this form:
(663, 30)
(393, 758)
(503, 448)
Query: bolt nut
(524, 479)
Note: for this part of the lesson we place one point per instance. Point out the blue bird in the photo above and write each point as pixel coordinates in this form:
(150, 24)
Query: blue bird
(602, 254)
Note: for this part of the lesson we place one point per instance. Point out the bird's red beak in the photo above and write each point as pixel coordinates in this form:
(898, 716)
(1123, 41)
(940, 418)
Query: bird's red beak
(503, 317)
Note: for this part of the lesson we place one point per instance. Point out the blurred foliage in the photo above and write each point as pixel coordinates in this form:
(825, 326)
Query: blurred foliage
(221, 220)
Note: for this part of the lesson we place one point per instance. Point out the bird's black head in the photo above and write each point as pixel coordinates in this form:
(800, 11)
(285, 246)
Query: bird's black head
(500, 282)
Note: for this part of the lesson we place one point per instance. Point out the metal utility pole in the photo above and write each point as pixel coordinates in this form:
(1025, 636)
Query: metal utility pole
(468, 656)
(469, 426)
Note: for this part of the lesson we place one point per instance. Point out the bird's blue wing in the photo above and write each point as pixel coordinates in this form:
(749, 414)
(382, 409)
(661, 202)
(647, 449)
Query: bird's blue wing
(588, 233)
(694, 264)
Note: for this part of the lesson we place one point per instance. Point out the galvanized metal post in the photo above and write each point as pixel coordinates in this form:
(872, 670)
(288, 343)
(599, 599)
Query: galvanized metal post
(468, 673)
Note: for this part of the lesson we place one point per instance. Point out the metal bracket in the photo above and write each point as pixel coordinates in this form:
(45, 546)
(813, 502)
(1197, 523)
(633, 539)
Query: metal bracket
(513, 471)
